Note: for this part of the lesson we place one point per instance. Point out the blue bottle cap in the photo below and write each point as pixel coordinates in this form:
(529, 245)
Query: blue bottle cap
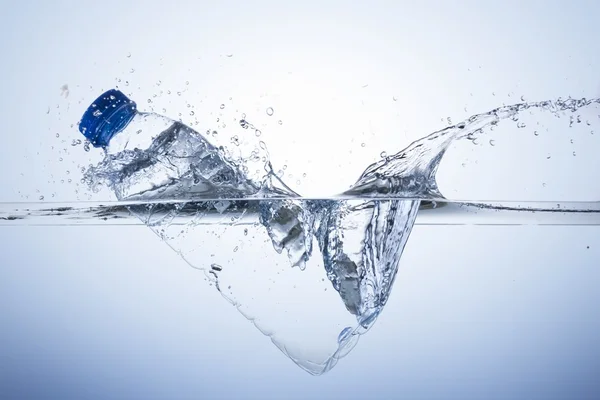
(108, 115)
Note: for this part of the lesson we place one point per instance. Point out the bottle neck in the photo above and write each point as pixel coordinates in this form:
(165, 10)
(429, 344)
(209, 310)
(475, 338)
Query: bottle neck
(139, 132)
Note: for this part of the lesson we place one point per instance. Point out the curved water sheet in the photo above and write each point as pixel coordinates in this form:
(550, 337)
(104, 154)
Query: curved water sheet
(315, 312)
(539, 152)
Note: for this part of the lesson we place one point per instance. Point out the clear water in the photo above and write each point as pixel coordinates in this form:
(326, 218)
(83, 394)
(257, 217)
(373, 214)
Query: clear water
(267, 250)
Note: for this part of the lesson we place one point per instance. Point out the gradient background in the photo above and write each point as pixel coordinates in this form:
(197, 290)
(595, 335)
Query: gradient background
(476, 312)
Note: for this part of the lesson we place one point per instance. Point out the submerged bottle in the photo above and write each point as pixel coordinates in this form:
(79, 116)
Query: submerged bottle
(149, 157)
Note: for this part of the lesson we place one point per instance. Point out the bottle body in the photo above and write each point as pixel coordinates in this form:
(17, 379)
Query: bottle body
(154, 157)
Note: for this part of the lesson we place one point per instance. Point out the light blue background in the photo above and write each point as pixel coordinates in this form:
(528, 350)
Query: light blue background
(476, 312)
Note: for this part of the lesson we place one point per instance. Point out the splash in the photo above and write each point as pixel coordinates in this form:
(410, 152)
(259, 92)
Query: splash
(260, 229)
(411, 173)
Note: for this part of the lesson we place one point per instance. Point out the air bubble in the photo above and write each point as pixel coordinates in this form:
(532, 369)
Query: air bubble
(270, 111)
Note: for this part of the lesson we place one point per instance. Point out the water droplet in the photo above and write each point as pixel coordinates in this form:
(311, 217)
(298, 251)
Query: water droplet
(257, 132)
(280, 122)
(132, 70)
(449, 120)
(362, 145)
(574, 154)
(492, 142)
(522, 98)
(192, 113)
(243, 123)
(245, 231)
(41, 197)
(58, 135)
(149, 100)
(270, 111)
(235, 249)
(97, 113)
(383, 154)
(521, 125)
(222, 106)
(536, 133)
(187, 83)
(86, 146)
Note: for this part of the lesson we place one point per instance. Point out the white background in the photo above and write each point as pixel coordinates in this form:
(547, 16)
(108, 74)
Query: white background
(110, 313)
